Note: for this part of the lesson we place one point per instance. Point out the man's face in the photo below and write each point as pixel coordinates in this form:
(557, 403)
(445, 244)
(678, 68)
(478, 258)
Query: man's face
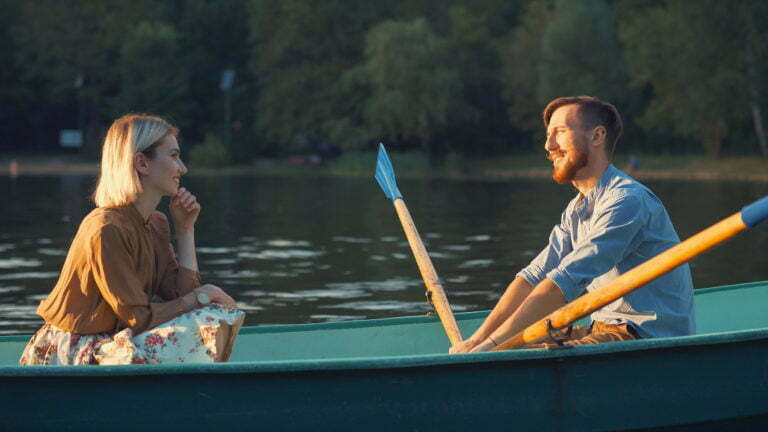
(566, 144)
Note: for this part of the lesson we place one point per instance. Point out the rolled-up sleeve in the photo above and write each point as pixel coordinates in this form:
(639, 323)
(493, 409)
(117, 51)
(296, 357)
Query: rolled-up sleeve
(607, 242)
(113, 267)
(175, 281)
(558, 247)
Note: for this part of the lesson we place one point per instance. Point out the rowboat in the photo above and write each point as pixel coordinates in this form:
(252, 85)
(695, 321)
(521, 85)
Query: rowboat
(394, 374)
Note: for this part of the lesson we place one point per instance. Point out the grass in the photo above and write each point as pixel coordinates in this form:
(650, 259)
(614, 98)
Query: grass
(417, 164)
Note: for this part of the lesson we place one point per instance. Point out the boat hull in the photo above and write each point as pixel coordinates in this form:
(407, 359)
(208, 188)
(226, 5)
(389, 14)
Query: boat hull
(712, 381)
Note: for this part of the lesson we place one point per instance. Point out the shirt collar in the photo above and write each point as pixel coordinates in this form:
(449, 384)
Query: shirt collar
(134, 215)
(605, 179)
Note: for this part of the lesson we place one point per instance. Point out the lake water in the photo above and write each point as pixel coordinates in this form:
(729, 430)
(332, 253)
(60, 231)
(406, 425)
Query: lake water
(299, 250)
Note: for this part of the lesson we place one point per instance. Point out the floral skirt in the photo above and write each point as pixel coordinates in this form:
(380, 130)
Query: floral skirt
(204, 335)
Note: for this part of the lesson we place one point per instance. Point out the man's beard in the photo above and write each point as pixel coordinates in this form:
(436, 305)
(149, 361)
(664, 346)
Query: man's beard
(566, 171)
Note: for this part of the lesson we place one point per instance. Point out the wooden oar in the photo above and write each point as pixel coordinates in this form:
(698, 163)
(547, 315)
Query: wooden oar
(749, 217)
(385, 175)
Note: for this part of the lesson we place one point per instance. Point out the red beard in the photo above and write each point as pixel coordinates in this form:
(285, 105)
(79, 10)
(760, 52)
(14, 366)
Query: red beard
(567, 171)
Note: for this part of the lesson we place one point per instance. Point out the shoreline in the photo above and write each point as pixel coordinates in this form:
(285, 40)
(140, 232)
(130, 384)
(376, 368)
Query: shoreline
(62, 166)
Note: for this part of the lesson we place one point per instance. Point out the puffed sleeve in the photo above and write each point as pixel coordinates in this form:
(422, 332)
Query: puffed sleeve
(175, 281)
(114, 270)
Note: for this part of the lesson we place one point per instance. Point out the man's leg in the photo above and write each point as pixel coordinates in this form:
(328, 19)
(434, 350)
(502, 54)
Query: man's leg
(598, 332)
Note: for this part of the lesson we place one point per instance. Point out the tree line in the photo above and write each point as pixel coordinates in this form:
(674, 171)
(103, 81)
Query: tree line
(442, 75)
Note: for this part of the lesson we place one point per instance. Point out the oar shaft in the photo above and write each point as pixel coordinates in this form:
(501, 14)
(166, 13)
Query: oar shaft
(428, 273)
(629, 281)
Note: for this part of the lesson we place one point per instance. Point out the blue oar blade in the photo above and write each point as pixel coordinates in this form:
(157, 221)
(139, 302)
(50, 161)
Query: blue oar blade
(755, 213)
(385, 175)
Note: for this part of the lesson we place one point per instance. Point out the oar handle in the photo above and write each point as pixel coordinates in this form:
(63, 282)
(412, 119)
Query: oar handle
(428, 273)
(755, 213)
(637, 277)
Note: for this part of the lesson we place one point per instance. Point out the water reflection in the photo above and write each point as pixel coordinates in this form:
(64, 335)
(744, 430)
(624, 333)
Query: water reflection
(321, 249)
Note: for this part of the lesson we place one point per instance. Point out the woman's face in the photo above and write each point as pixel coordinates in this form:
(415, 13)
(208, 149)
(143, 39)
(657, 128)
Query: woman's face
(164, 171)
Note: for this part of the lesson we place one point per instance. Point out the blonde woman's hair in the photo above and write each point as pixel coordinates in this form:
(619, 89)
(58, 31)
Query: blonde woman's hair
(119, 182)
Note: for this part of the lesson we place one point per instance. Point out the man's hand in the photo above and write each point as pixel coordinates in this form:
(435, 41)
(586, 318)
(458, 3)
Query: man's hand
(484, 346)
(184, 210)
(464, 347)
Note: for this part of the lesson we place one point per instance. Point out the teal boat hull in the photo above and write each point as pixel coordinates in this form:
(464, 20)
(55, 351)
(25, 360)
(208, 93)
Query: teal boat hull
(393, 374)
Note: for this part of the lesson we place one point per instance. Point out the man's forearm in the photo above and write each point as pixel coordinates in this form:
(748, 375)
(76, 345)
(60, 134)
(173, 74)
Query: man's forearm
(513, 297)
(544, 299)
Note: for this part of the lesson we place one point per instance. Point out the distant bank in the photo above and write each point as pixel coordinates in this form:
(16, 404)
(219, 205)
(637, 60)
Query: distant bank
(415, 165)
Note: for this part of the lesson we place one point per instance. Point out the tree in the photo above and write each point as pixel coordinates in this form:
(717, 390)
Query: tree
(214, 35)
(60, 41)
(150, 81)
(701, 64)
(413, 89)
(301, 49)
(562, 48)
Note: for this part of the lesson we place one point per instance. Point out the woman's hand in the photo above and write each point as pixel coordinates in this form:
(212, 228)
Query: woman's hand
(184, 210)
(217, 295)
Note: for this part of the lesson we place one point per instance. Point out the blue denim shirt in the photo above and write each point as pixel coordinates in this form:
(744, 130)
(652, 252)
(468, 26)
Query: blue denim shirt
(616, 226)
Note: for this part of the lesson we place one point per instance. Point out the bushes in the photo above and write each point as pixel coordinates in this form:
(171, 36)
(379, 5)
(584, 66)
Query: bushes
(212, 153)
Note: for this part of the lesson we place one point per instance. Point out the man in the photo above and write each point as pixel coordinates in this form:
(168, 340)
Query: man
(611, 226)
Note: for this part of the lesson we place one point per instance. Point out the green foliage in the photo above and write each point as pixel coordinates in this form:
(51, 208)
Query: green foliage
(301, 48)
(521, 56)
(694, 61)
(562, 48)
(413, 86)
(444, 75)
(212, 153)
(149, 81)
(580, 53)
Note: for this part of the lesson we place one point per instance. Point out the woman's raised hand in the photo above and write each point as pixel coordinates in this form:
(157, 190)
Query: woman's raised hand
(184, 210)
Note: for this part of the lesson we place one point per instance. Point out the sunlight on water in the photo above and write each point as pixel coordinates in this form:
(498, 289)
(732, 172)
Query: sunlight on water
(335, 318)
(476, 263)
(15, 262)
(214, 250)
(382, 306)
(288, 243)
(11, 288)
(18, 311)
(351, 239)
(223, 261)
(52, 252)
(29, 275)
(396, 284)
(280, 254)
(440, 255)
(458, 248)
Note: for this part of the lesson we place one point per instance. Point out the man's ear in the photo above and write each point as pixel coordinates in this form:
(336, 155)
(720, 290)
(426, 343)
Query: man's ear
(599, 135)
(141, 163)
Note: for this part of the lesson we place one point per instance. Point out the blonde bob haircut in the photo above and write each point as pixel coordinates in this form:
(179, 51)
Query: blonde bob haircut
(119, 183)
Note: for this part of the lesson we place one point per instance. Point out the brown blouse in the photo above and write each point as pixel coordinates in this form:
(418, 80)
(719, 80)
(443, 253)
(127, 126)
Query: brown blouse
(116, 265)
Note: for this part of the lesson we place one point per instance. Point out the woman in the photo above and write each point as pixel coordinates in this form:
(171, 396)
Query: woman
(103, 309)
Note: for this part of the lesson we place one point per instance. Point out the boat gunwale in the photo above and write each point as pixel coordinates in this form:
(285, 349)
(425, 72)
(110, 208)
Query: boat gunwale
(393, 362)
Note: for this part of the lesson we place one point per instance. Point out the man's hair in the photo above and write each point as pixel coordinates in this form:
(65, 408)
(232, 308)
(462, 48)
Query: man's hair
(119, 183)
(593, 112)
